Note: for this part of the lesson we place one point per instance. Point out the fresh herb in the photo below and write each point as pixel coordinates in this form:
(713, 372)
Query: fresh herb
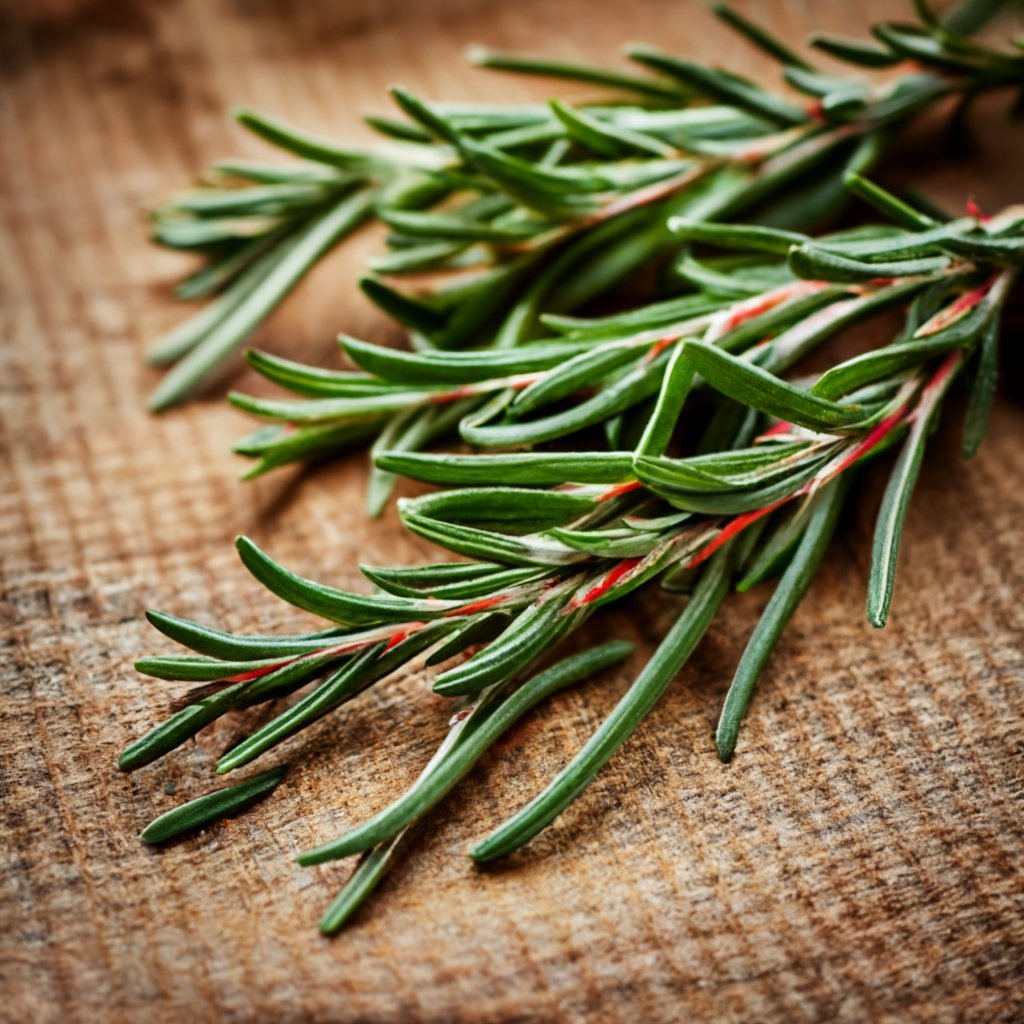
(552, 535)
(517, 210)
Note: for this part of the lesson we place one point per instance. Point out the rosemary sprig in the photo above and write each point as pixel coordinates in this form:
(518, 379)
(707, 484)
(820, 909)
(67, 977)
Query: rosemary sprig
(510, 205)
(472, 731)
(555, 535)
(755, 308)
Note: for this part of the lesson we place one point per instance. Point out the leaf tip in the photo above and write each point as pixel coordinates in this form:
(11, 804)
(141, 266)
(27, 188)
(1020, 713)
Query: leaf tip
(638, 51)
(726, 735)
(403, 97)
(163, 398)
(243, 115)
(255, 471)
(878, 617)
(245, 546)
(481, 853)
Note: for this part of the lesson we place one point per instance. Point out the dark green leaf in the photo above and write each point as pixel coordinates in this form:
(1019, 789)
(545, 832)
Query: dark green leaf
(206, 809)
(533, 630)
(259, 296)
(982, 390)
(821, 522)
(530, 469)
(755, 387)
(815, 262)
(761, 38)
(895, 502)
(720, 85)
(330, 603)
(534, 65)
(672, 653)
(486, 723)
(852, 51)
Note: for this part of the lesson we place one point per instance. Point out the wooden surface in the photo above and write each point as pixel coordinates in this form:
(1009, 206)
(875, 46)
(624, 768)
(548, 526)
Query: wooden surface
(860, 860)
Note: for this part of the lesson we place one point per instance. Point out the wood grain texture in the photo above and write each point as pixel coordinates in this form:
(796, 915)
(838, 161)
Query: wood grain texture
(862, 857)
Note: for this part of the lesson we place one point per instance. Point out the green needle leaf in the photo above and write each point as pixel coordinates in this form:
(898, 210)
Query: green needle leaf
(571, 376)
(852, 51)
(529, 64)
(775, 552)
(815, 262)
(788, 594)
(408, 430)
(437, 368)
(450, 226)
(530, 469)
(197, 813)
(240, 319)
(672, 653)
(893, 513)
(179, 341)
(605, 139)
(408, 311)
(279, 134)
(723, 86)
(674, 391)
(767, 393)
(752, 237)
(480, 733)
(372, 868)
(328, 602)
(629, 389)
(179, 728)
(337, 688)
(982, 390)
(228, 646)
(316, 382)
(758, 36)
(886, 203)
(535, 629)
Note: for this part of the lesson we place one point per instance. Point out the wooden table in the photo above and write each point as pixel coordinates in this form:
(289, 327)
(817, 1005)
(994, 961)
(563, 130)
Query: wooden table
(860, 860)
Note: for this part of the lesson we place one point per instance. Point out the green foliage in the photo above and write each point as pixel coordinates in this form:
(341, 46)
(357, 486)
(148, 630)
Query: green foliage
(659, 444)
(504, 192)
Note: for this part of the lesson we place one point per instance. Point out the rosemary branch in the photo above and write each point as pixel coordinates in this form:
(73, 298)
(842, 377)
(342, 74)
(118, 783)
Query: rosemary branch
(506, 207)
(554, 535)
(581, 484)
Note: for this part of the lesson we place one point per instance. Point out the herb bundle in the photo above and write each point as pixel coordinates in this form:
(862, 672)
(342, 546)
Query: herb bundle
(552, 535)
(667, 443)
(516, 210)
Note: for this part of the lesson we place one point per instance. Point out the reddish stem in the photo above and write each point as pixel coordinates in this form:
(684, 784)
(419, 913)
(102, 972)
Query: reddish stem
(603, 585)
(476, 606)
(617, 490)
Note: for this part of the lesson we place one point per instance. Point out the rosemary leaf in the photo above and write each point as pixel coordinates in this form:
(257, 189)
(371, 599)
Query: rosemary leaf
(487, 721)
(982, 391)
(665, 663)
(205, 809)
(896, 501)
(821, 523)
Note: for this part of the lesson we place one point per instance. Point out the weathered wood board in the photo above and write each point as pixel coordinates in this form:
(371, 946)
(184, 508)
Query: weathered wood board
(860, 860)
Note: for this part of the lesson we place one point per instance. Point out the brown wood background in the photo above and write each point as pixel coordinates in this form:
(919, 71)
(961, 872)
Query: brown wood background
(860, 860)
